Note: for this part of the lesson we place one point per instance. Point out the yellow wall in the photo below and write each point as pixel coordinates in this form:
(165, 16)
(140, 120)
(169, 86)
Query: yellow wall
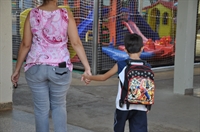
(163, 30)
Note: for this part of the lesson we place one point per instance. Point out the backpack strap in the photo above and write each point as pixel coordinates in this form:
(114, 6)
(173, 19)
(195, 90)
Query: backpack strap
(124, 90)
(131, 61)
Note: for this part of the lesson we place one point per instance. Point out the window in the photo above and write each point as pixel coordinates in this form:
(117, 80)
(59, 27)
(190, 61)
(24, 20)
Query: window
(165, 18)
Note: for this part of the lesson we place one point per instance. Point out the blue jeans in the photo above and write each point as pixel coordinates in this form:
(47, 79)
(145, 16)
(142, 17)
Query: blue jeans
(137, 120)
(49, 92)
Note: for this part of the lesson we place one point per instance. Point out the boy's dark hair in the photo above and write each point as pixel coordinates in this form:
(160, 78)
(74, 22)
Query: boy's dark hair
(46, 1)
(133, 43)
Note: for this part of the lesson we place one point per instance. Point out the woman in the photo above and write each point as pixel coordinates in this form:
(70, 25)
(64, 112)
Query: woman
(48, 67)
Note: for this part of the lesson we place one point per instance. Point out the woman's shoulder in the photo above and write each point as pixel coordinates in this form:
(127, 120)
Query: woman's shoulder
(34, 9)
(43, 9)
(62, 8)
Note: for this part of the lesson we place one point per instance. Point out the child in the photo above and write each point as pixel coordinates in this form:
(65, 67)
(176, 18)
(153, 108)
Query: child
(137, 113)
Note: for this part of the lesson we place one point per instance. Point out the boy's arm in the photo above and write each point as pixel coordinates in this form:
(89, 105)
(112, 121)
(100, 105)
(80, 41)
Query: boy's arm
(103, 77)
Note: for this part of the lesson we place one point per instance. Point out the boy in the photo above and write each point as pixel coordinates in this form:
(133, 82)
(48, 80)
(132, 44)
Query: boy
(137, 113)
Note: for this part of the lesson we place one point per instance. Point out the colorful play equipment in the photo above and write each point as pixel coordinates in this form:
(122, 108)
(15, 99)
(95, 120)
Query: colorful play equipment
(154, 46)
(130, 13)
(164, 23)
(85, 25)
(115, 28)
(119, 55)
(110, 24)
(160, 48)
(87, 36)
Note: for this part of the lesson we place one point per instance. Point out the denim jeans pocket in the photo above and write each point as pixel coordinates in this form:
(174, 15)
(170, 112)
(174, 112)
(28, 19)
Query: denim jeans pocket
(61, 72)
(33, 70)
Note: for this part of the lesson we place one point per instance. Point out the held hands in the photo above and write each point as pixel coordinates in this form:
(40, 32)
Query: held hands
(85, 76)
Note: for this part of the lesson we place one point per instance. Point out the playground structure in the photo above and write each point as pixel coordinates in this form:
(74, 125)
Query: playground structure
(165, 21)
(154, 47)
(160, 48)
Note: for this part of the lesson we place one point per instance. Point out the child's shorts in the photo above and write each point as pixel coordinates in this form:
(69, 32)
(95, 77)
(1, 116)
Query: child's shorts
(137, 120)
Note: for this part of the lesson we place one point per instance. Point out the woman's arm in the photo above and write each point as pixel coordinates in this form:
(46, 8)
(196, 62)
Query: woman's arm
(23, 49)
(103, 77)
(76, 43)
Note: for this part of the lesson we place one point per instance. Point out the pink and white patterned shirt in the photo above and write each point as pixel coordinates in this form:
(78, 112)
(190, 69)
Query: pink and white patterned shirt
(49, 42)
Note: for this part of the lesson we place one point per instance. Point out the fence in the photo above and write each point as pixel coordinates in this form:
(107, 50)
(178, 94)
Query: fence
(154, 20)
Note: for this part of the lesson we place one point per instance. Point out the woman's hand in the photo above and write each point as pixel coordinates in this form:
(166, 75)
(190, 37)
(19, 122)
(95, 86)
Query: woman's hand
(15, 78)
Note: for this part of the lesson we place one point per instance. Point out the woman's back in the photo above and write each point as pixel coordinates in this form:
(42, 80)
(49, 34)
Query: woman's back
(49, 41)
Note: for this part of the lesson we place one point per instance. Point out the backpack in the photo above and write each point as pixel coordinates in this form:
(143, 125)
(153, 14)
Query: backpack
(138, 84)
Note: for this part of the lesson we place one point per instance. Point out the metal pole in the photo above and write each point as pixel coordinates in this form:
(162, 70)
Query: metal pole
(95, 36)
(140, 6)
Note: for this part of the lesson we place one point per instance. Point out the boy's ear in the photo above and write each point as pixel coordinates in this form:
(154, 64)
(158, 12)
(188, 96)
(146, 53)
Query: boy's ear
(142, 48)
(125, 50)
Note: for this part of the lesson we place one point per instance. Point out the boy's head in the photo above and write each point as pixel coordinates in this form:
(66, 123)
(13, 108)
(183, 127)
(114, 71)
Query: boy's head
(133, 43)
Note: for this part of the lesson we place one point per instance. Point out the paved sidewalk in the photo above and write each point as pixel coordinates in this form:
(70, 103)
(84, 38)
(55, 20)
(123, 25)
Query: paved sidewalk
(91, 107)
(22, 121)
